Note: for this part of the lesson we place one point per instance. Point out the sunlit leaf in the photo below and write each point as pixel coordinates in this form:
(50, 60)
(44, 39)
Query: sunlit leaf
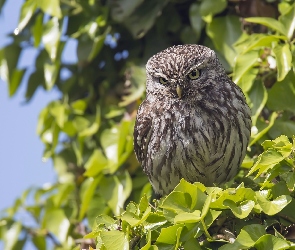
(27, 11)
(274, 206)
(243, 64)
(12, 235)
(169, 235)
(270, 241)
(51, 37)
(115, 240)
(284, 58)
(59, 111)
(246, 238)
(242, 210)
(116, 189)
(57, 223)
(87, 193)
(95, 164)
(288, 20)
(51, 7)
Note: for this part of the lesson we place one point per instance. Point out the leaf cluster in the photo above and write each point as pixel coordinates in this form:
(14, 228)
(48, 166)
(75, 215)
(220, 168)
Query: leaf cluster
(101, 197)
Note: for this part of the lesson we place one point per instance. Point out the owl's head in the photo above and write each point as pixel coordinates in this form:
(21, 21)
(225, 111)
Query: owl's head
(182, 72)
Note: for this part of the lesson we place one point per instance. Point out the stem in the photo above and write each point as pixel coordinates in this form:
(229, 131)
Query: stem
(205, 229)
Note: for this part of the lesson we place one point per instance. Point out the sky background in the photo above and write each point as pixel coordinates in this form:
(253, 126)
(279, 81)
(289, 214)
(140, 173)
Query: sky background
(21, 149)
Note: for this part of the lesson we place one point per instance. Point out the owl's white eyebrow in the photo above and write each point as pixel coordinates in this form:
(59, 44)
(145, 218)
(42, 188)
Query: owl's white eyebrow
(197, 66)
(158, 74)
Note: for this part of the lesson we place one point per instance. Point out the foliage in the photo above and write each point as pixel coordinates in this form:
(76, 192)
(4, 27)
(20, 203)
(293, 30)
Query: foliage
(258, 210)
(101, 197)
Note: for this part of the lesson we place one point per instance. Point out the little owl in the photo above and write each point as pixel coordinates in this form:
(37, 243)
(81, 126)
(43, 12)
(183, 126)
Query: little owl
(194, 123)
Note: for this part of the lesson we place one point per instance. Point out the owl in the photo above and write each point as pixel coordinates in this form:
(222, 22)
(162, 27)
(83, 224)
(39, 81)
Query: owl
(194, 123)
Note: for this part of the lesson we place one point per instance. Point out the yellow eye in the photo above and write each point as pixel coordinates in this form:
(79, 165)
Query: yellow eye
(194, 74)
(163, 80)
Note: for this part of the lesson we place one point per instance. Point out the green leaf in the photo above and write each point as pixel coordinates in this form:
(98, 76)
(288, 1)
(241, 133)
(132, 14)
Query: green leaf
(280, 144)
(154, 221)
(246, 82)
(116, 190)
(27, 11)
(56, 222)
(209, 8)
(2, 2)
(9, 57)
(35, 80)
(15, 80)
(93, 128)
(282, 127)
(196, 19)
(271, 242)
(59, 112)
(289, 178)
(98, 43)
(242, 210)
(12, 235)
(37, 30)
(148, 242)
(87, 193)
(63, 193)
(114, 240)
(243, 64)
(134, 220)
(268, 22)
(181, 202)
(264, 41)
(237, 195)
(266, 161)
(263, 131)
(247, 237)
(123, 9)
(51, 37)
(258, 96)
(224, 32)
(39, 242)
(282, 94)
(144, 18)
(95, 164)
(137, 79)
(186, 217)
(51, 7)
(169, 235)
(79, 106)
(288, 20)
(284, 60)
(272, 207)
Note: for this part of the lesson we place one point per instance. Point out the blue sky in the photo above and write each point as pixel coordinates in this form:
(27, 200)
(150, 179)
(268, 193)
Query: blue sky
(20, 148)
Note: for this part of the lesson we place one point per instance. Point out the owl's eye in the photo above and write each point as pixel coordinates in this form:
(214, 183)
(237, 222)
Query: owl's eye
(194, 74)
(163, 80)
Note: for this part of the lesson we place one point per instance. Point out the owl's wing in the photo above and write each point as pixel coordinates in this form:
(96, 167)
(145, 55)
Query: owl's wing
(142, 131)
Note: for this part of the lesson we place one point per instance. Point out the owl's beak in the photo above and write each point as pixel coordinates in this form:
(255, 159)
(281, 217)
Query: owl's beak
(179, 91)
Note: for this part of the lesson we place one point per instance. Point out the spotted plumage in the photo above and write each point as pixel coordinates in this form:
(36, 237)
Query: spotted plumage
(194, 123)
